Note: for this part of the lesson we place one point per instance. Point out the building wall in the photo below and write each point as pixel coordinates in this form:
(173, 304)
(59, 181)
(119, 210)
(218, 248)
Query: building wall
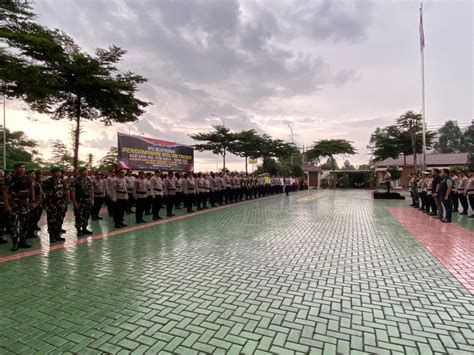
(313, 178)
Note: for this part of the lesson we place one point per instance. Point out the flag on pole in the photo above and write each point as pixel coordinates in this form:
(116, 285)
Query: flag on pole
(422, 33)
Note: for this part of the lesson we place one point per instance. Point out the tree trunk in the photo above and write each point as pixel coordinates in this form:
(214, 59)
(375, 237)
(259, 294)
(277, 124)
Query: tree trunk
(77, 132)
(223, 159)
(246, 166)
(333, 174)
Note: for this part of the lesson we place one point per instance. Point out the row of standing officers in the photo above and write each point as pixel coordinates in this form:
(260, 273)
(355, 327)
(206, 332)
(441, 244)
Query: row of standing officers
(25, 196)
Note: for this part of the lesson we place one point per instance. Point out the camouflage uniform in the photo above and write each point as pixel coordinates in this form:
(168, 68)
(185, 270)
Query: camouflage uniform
(3, 216)
(37, 210)
(55, 201)
(83, 190)
(19, 189)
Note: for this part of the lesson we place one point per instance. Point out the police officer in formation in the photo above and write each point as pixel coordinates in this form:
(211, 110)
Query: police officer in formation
(440, 193)
(25, 196)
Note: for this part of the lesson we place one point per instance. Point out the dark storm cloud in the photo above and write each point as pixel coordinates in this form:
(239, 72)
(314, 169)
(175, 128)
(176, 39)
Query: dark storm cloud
(209, 42)
(204, 57)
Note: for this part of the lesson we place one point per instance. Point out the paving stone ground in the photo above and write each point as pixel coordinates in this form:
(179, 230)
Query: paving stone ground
(319, 272)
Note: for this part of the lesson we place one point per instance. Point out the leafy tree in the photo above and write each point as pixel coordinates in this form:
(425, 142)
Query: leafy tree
(364, 167)
(269, 166)
(109, 161)
(391, 141)
(52, 75)
(411, 124)
(246, 145)
(450, 139)
(385, 143)
(330, 164)
(61, 155)
(331, 147)
(344, 181)
(20, 149)
(347, 165)
(468, 142)
(219, 141)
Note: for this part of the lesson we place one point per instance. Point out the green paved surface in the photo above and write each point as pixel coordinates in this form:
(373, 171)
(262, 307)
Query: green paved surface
(321, 271)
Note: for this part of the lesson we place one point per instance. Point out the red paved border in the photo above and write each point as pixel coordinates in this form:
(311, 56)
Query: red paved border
(82, 240)
(451, 244)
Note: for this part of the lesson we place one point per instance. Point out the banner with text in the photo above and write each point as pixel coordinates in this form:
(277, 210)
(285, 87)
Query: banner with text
(143, 153)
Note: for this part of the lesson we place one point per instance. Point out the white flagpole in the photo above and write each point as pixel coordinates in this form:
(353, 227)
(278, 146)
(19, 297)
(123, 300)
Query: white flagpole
(422, 47)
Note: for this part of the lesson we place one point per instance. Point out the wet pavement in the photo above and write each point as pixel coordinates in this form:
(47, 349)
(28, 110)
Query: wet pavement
(319, 271)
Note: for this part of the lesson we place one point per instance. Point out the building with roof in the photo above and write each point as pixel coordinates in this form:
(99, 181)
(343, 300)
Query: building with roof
(439, 161)
(312, 175)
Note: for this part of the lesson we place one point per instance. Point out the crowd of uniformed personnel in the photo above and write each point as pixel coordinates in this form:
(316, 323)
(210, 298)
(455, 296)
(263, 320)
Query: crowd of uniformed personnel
(26, 195)
(440, 193)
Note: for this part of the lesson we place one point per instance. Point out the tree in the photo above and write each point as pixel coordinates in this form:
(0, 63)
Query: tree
(61, 156)
(20, 149)
(66, 82)
(391, 141)
(468, 142)
(109, 161)
(331, 147)
(450, 139)
(411, 124)
(218, 141)
(364, 167)
(385, 143)
(246, 145)
(329, 164)
(347, 165)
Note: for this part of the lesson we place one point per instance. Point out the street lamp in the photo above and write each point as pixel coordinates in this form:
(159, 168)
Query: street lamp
(130, 127)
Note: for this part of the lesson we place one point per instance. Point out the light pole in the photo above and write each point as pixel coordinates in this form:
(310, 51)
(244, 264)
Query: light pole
(130, 127)
(4, 90)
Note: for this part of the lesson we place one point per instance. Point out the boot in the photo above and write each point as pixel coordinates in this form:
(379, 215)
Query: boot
(15, 244)
(79, 232)
(117, 225)
(86, 231)
(59, 238)
(22, 244)
(123, 225)
(63, 231)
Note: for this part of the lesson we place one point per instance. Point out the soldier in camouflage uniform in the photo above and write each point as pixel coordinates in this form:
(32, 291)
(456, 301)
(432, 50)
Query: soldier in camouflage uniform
(18, 194)
(55, 204)
(3, 217)
(82, 196)
(37, 208)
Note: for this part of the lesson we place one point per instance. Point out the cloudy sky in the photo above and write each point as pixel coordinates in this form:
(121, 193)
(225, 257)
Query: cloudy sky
(332, 69)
